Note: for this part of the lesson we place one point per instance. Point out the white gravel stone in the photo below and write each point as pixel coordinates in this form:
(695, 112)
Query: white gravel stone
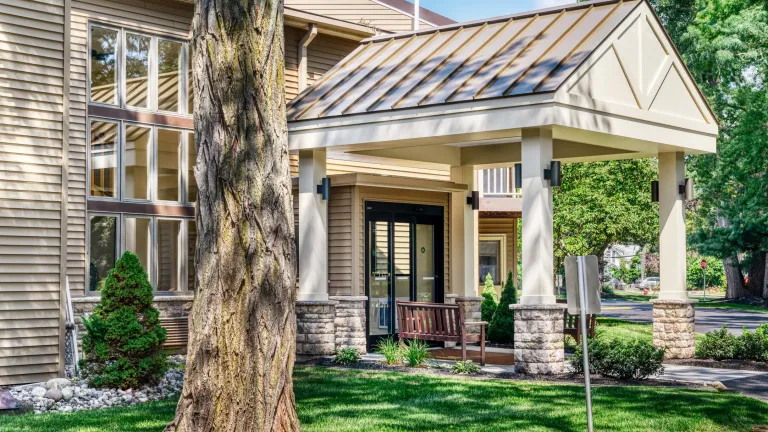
(58, 383)
(38, 392)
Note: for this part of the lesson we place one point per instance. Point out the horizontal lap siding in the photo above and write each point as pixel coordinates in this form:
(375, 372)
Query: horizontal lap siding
(364, 12)
(31, 106)
(160, 18)
(340, 241)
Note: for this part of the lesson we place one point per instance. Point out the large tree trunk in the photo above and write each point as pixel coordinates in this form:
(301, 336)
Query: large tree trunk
(242, 327)
(734, 279)
(757, 273)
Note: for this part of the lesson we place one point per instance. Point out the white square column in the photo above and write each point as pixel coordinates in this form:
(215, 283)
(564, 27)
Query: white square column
(313, 228)
(538, 252)
(672, 246)
(464, 258)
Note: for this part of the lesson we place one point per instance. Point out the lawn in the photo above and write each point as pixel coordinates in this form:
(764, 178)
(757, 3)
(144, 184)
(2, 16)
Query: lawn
(708, 302)
(349, 400)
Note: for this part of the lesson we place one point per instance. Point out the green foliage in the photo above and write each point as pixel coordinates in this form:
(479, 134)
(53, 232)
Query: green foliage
(465, 368)
(718, 344)
(489, 304)
(391, 350)
(123, 337)
(722, 345)
(346, 356)
(603, 203)
(628, 271)
(502, 327)
(636, 359)
(415, 352)
(695, 275)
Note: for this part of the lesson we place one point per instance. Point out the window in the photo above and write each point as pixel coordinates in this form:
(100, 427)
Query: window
(136, 162)
(492, 257)
(168, 251)
(103, 159)
(104, 65)
(103, 249)
(134, 70)
(191, 162)
(191, 251)
(168, 174)
(138, 239)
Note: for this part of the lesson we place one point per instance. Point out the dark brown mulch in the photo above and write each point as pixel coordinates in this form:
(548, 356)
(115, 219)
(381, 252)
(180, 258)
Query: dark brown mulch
(750, 365)
(574, 379)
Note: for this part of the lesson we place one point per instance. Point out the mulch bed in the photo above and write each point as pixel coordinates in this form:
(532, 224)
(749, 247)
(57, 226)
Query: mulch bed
(575, 379)
(749, 365)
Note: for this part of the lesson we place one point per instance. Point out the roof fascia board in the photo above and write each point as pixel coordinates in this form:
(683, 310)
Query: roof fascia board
(327, 25)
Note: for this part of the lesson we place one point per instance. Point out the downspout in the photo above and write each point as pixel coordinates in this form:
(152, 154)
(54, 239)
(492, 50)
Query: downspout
(64, 216)
(303, 44)
(416, 11)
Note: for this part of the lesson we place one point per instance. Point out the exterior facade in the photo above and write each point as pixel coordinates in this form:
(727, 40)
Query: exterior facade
(96, 151)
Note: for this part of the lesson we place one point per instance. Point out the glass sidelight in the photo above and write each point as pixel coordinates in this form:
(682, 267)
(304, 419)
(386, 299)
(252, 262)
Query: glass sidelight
(378, 299)
(426, 275)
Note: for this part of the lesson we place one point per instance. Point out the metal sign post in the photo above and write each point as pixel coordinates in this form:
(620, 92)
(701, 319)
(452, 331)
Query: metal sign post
(582, 266)
(704, 269)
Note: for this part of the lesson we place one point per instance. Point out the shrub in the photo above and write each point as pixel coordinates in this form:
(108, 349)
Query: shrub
(416, 352)
(465, 368)
(502, 327)
(123, 335)
(718, 344)
(347, 356)
(615, 358)
(753, 346)
(608, 289)
(391, 350)
(489, 304)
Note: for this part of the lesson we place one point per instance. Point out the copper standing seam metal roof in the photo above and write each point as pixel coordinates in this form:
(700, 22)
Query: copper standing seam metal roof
(532, 52)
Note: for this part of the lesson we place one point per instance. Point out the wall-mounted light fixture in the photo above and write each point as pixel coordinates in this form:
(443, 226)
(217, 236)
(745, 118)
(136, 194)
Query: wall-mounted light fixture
(686, 189)
(553, 173)
(474, 200)
(655, 191)
(324, 188)
(518, 175)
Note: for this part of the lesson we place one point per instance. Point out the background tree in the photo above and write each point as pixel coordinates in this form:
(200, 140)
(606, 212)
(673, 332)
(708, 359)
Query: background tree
(242, 326)
(604, 203)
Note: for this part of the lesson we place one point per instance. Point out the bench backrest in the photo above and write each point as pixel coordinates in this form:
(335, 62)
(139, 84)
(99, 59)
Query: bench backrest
(429, 321)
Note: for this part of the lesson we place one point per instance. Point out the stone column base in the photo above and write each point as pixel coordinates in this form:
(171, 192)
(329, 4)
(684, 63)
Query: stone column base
(674, 328)
(472, 311)
(350, 322)
(315, 329)
(539, 347)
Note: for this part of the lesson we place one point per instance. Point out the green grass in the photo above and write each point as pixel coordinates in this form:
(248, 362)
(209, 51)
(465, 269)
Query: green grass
(349, 400)
(624, 330)
(708, 302)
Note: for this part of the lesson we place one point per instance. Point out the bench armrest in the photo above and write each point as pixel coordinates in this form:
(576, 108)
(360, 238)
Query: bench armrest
(476, 323)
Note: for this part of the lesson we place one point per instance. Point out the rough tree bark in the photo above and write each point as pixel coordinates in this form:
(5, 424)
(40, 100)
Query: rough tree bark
(242, 327)
(757, 273)
(734, 279)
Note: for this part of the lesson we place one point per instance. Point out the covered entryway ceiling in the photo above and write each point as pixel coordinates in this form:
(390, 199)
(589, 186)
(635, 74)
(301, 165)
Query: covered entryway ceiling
(603, 76)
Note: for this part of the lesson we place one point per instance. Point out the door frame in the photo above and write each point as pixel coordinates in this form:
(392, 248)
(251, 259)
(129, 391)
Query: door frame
(412, 214)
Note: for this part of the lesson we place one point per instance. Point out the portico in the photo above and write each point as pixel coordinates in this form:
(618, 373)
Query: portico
(586, 82)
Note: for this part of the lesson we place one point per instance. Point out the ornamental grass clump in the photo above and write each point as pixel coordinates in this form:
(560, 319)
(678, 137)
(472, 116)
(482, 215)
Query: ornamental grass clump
(347, 356)
(391, 350)
(465, 368)
(123, 339)
(416, 352)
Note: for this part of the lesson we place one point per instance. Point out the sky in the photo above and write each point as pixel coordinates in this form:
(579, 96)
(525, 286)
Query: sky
(468, 10)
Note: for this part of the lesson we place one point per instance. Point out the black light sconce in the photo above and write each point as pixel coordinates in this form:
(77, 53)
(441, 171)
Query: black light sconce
(686, 189)
(474, 200)
(518, 175)
(655, 191)
(553, 174)
(324, 188)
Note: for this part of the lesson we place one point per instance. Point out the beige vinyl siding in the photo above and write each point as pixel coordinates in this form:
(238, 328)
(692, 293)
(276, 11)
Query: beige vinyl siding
(152, 17)
(507, 226)
(31, 149)
(292, 37)
(364, 12)
(400, 196)
(340, 241)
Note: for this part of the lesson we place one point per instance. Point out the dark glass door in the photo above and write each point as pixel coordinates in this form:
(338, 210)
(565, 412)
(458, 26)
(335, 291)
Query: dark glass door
(404, 261)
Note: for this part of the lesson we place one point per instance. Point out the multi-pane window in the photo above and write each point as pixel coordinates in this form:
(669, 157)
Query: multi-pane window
(492, 257)
(103, 247)
(134, 70)
(104, 158)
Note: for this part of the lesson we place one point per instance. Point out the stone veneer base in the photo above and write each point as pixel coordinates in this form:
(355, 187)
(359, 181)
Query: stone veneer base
(539, 347)
(674, 327)
(350, 322)
(315, 327)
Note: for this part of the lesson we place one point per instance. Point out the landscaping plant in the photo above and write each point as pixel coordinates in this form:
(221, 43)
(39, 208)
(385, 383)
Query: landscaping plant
(718, 345)
(123, 338)
(754, 345)
(636, 359)
(391, 350)
(346, 356)
(502, 327)
(465, 368)
(489, 304)
(416, 352)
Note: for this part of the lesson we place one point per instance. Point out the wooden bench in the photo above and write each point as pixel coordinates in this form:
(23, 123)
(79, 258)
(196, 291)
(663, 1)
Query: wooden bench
(438, 322)
(572, 324)
(177, 329)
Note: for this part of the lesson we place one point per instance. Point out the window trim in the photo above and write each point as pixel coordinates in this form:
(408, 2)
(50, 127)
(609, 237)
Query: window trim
(153, 70)
(502, 239)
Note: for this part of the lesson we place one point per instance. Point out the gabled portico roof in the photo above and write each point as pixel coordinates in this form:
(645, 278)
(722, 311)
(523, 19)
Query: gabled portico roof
(592, 72)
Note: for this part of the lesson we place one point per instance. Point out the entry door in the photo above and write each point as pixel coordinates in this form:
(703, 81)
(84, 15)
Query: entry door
(403, 261)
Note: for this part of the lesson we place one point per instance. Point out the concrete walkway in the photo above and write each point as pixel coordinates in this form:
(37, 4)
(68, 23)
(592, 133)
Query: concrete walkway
(747, 383)
(707, 319)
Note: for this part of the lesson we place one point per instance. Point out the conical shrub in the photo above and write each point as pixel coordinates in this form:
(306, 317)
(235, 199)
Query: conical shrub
(502, 328)
(123, 339)
(489, 304)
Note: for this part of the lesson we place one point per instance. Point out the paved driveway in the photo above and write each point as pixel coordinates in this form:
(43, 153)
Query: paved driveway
(707, 319)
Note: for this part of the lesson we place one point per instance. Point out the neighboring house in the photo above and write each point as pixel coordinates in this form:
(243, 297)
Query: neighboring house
(615, 253)
(96, 152)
